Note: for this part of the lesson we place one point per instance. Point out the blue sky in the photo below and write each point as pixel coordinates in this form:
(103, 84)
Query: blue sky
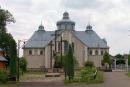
(109, 18)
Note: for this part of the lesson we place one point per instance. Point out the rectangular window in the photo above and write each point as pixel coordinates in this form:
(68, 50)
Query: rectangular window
(30, 52)
(73, 46)
(59, 46)
(41, 52)
(66, 46)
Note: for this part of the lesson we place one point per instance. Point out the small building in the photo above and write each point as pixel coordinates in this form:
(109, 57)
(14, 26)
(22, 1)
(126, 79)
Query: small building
(3, 60)
(41, 48)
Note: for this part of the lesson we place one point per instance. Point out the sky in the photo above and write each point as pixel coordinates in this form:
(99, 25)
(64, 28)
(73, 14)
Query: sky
(109, 18)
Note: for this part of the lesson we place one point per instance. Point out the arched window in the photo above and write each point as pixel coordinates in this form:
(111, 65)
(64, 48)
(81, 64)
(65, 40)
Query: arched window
(96, 52)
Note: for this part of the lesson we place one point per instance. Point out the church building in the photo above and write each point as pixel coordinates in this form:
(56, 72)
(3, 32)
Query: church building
(41, 48)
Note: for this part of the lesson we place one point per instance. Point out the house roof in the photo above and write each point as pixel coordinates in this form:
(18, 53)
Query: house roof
(89, 37)
(2, 58)
(39, 39)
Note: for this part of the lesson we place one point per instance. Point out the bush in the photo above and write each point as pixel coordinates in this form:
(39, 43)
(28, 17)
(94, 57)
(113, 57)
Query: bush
(87, 73)
(89, 64)
(3, 76)
(23, 65)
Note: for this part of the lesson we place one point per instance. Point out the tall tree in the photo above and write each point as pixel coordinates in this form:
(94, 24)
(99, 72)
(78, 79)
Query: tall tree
(5, 17)
(7, 42)
(69, 63)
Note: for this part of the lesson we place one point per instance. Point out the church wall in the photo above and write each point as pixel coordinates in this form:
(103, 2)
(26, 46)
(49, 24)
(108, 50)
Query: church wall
(34, 61)
(80, 50)
(96, 57)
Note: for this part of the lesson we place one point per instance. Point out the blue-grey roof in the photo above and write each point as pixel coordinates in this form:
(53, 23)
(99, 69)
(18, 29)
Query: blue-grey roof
(2, 58)
(90, 39)
(39, 39)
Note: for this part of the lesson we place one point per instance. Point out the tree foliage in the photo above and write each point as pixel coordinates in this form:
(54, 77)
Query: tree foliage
(89, 64)
(23, 64)
(69, 64)
(119, 56)
(7, 43)
(5, 17)
(120, 59)
(106, 58)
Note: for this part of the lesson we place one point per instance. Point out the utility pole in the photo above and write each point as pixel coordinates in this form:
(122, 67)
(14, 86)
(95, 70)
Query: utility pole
(18, 59)
(19, 41)
(61, 51)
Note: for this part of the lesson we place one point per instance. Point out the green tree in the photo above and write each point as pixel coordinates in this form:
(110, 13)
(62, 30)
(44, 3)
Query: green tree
(120, 59)
(5, 17)
(7, 42)
(129, 59)
(23, 64)
(69, 64)
(119, 56)
(106, 58)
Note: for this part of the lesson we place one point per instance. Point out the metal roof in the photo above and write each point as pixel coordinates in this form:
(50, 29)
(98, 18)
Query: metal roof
(2, 58)
(41, 38)
(91, 39)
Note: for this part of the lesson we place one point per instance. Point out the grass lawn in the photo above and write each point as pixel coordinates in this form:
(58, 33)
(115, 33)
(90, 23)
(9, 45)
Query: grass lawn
(77, 79)
(129, 74)
(29, 76)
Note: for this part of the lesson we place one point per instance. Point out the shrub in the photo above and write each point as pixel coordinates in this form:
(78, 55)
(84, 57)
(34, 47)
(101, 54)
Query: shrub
(86, 74)
(3, 76)
(23, 65)
(106, 59)
(89, 64)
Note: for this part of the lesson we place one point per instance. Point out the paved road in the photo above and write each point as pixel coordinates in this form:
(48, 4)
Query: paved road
(112, 79)
(116, 79)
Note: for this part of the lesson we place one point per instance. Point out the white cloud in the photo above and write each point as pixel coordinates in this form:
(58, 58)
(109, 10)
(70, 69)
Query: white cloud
(110, 18)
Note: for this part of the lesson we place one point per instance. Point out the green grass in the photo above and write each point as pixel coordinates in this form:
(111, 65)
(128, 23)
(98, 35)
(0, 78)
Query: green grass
(77, 79)
(31, 76)
(129, 74)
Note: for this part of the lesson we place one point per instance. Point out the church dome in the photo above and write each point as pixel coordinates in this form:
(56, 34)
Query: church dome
(66, 23)
(41, 27)
(89, 27)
